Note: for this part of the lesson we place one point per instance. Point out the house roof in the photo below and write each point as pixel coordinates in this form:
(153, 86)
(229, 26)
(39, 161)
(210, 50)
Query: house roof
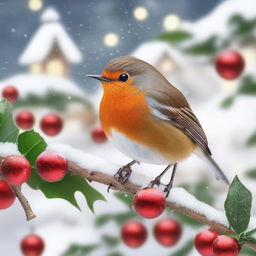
(50, 32)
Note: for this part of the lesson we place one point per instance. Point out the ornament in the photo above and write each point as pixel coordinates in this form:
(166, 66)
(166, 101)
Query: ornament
(229, 64)
(225, 246)
(51, 124)
(167, 232)
(7, 196)
(15, 169)
(51, 167)
(133, 234)
(25, 120)
(149, 202)
(204, 240)
(10, 93)
(32, 245)
(98, 135)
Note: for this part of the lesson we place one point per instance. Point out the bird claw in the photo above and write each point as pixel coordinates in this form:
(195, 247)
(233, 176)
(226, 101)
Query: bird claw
(167, 189)
(123, 174)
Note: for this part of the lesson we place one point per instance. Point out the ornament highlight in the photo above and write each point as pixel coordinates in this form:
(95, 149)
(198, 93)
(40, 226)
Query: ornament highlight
(25, 120)
(7, 196)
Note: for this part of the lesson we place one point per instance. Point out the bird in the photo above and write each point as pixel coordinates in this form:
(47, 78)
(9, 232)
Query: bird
(149, 120)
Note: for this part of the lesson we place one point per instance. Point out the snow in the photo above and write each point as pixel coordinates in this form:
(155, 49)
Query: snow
(40, 84)
(50, 32)
(7, 149)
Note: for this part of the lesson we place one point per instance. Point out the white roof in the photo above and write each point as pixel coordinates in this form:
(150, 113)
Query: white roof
(50, 32)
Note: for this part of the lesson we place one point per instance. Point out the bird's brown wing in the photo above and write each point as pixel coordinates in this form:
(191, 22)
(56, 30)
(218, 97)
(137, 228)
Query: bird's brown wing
(175, 109)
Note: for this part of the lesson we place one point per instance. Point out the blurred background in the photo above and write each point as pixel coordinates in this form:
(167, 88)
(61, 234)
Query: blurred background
(48, 47)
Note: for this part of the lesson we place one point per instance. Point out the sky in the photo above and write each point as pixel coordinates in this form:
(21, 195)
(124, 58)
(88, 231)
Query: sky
(87, 22)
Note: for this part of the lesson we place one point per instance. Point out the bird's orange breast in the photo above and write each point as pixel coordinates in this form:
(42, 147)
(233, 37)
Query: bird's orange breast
(124, 109)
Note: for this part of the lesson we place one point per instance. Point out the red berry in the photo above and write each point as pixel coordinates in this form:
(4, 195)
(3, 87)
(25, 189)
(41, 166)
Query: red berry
(51, 167)
(226, 246)
(51, 124)
(134, 234)
(7, 196)
(15, 169)
(98, 135)
(25, 120)
(10, 93)
(149, 202)
(204, 240)
(167, 232)
(229, 64)
(32, 245)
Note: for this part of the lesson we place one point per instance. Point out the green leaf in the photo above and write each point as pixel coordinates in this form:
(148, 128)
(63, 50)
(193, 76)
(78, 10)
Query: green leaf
(80, 250)
(110, 241)
(103, 220)
(175, 37)
(125, 198)
(251, 141)
(31, 144)
(248, 86)
(250, 233)
(8, 130)
(187, 220)
(203, 192)
(251, 173)
(115, 254)
(238, 206)
(184, 251)
(228, 102)
(247, 251)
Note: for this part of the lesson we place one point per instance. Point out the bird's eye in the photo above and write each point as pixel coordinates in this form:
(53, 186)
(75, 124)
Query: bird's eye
(123, 77)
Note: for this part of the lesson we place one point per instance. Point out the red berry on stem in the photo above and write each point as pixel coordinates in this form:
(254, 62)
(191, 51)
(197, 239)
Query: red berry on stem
(98, 135)
(51, 124)
(15, 169)
(10, 93)
(51, 167)
(133, 234)
(226, 246)
(25, 120)
(32, 245)
(229, 64)
(204, 240)
(7, 196)
(167, 232)
(149, 202)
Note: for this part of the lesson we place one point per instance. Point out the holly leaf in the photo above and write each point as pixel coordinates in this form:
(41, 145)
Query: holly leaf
(251, 173)
(110, 241)
(251, 141)
(8, 130)
(31, 144)
(80, 250)
(228, 102)
(238, 206)
(125, 198)
(175, 36)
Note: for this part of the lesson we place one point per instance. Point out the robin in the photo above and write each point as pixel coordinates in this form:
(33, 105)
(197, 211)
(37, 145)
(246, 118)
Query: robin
(148, 119)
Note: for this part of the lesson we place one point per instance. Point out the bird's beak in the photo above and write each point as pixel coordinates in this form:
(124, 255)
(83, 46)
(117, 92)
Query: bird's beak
(99, 77)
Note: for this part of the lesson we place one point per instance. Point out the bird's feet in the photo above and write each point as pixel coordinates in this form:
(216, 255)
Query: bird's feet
(168, 188)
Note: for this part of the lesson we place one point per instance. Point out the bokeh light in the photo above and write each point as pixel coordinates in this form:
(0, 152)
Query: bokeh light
(111, 39)
(35, 5)
(140, 13)
(171, 22)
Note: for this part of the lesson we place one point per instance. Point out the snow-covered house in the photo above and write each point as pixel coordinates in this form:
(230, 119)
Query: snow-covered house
(51, 50)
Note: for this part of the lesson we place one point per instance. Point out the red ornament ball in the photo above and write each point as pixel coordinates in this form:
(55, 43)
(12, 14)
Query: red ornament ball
(32, 245)
(25, 120)
(15, 169)
(51, 167)
(229, 64)
(204, 240)
(98, 135)
(10, 93)
(7, 196)
(134, 234)
(51, 124)
(226, 246)
(167, 232)
(149, 202)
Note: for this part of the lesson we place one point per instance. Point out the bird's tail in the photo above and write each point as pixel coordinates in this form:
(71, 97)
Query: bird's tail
(214, 166)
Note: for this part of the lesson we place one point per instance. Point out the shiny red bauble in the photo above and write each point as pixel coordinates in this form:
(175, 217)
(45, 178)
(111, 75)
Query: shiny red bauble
(98, 135)
(229, 64)
(51, 167)
(15, 169)
(10, 93)
(167, 232)
(32, 245)
(7, 196)
(133, 234)
(149, 202)
(51, 124)
(204, 240)
(225, 246)
(25, 120)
